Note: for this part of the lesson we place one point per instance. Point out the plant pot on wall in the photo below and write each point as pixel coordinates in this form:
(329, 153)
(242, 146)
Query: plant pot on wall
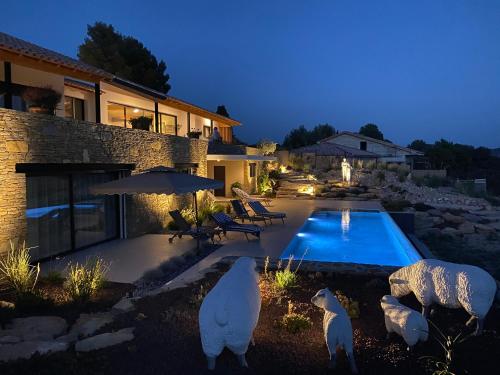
(141, 122)
(41, 99)
(194, 134)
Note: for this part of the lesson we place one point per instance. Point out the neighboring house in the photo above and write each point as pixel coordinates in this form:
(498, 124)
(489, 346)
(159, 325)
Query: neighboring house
(385, 151)
(234, 163)
(47, 163)
(325, 155)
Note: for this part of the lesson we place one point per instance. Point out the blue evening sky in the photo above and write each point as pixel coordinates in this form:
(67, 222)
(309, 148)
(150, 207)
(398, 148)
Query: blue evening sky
(419, 69)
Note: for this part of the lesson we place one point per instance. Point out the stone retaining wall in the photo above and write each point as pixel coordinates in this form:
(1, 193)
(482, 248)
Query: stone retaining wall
(35, 138)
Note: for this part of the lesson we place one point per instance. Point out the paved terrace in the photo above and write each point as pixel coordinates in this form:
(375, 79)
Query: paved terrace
(130, 258)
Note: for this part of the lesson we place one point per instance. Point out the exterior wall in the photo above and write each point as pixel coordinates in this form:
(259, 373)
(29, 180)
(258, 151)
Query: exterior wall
(235, 170)
(375, 147)
(35, 138)
(418, 173)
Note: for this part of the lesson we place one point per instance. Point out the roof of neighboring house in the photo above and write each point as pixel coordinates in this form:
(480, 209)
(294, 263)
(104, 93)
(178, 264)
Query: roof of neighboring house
(19, 47)
(370, 139)
(29, 54)
(330, 149)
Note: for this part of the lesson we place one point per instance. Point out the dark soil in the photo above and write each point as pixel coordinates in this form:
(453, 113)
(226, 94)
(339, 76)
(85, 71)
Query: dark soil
(51, 299)
(167, 338)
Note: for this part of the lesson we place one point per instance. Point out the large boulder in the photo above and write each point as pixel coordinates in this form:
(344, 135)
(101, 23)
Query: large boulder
(466, 228)
(26, 349)
(87, 325)
(483, 228)
(455, 219)
(36, 328)
(124, 305)
(104, 340)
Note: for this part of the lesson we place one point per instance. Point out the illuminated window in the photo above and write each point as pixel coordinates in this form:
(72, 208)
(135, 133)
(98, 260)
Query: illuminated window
(253, 168)
(74, 108)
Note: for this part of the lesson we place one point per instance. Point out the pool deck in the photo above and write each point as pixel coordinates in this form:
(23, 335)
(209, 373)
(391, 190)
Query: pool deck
(130, 258)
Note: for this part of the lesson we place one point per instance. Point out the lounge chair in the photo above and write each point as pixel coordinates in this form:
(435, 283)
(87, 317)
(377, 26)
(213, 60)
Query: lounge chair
(246, 198)
(242, 213)
(185, 229)
(229, 225)
(213, 198)
(260, 210)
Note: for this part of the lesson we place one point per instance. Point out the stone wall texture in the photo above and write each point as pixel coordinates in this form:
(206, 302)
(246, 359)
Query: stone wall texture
(36, 138)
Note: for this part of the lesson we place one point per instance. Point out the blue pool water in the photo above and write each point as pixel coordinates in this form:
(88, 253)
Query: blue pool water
(352, 237)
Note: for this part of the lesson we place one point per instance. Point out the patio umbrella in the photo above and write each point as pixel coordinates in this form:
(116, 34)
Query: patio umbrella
(159, 180)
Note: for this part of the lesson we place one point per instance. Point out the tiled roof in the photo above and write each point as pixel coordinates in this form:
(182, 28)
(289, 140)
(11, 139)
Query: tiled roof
(330, 149)
(19, 46)
(370, 139)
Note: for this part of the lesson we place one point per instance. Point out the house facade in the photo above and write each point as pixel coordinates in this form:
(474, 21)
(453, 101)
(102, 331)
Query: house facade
(385, 151)
(48, 162)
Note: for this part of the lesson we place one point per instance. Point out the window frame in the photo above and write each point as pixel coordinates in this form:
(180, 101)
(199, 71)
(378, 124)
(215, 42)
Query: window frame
(73, 107)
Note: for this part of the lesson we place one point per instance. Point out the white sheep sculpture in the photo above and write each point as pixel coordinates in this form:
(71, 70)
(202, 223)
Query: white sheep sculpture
(337, 327)
(406, 322)
(447, 284)
(230, 311)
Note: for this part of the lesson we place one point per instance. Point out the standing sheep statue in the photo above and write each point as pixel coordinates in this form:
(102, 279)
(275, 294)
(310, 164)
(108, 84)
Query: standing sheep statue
(230, 311)
(337, 327)
(447, 284)
(406, 322)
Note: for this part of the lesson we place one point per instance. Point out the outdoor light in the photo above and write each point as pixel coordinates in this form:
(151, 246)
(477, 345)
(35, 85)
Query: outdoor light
(136, 110)
(309, 189)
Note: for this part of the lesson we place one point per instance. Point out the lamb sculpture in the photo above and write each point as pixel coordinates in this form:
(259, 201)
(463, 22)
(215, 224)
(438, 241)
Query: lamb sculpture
(448, 284)
(337, 327)
(230, 311)
(406, 322)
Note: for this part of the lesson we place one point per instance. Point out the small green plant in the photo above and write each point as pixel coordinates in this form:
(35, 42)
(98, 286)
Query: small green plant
(198, 295)
(141, 122)
(17, 270)
(285, 279)
(84, 280)
(54, 277)
(449, 344)
(295, 322)
(350, 305)
(264, 183)
(266, 267)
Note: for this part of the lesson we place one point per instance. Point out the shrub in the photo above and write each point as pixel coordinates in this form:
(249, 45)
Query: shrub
(235, 185)
(16, 269)
(264, 183)
(85, 279)
(286, 278)
(141, 122)
(350, 305)
(54, 277)
(172, 225)
(43, 97)
(274, 174)
(297, 163)
(295, 322)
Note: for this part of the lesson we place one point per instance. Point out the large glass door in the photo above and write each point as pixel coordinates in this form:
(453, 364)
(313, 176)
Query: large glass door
(62, 215)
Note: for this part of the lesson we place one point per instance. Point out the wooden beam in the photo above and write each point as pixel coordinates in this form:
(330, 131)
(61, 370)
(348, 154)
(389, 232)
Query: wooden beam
(97, 95)
(157, 118)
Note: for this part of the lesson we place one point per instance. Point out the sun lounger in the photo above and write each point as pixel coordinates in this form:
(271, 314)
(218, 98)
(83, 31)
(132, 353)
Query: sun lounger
(242, 213)
(185, 229)
(229, 225)
(245, 197)
(260, 210)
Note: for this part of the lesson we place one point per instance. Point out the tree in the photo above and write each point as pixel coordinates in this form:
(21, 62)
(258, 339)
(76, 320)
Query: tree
(221, 110)
(300, 136)
(124, 56)
(372, 131)
(419, 145)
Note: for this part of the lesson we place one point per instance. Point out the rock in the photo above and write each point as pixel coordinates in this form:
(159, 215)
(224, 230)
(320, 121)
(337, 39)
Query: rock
(26, 349)
(87, 325)
(36, 328)
(435, 212)
(104, 340)
(433, 232)
(448, 231)
(124, 305)
(472, 218)
(496, 225)
(9, 339)
(466, 228)
(6, 305)
(483, 228)
(455, 219)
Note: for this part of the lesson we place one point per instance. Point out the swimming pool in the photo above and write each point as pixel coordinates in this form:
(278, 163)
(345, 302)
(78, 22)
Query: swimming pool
(364, 237)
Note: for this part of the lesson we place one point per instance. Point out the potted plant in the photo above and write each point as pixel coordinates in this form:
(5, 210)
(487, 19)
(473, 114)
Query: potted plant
(195, 134)
(41, 99)
(141, 122)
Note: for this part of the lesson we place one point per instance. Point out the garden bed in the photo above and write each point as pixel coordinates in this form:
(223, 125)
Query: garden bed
(167, 336)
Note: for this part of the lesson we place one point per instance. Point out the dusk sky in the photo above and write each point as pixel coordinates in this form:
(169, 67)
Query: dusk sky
(418, 69)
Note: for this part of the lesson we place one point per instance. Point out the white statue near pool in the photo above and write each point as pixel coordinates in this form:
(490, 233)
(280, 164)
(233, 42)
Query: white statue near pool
(346, 171)
(230, 311)
(337, 327)
(447, 284)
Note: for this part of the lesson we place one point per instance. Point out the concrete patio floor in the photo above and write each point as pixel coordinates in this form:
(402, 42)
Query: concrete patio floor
(130, 258)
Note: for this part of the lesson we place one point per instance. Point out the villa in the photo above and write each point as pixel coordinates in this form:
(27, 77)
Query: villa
(49, 162)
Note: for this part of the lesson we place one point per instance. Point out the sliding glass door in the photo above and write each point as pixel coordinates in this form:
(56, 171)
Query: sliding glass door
(62, 215)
